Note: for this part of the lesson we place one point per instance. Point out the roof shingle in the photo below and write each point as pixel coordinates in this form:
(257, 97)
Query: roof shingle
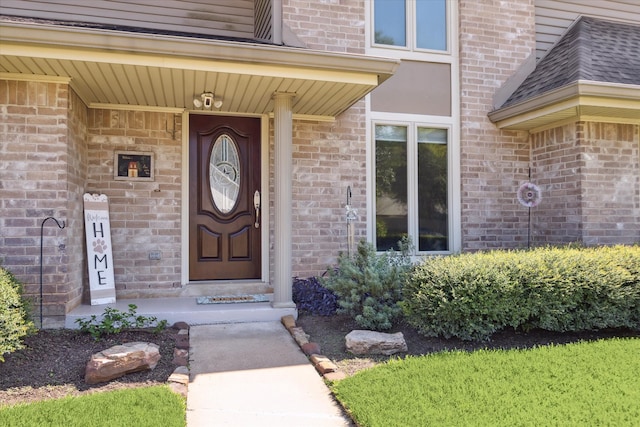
(593, 49)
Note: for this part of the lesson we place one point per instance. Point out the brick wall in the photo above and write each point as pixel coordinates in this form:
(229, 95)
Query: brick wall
(33, 186)
(327, 157)
(557, 169)
(495, 38)
(77, 158)
(611, 186)
(590, 176)
(331, 25)
(145, 216)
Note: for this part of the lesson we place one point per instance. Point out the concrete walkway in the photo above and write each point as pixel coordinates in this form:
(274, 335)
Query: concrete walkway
(254, 374)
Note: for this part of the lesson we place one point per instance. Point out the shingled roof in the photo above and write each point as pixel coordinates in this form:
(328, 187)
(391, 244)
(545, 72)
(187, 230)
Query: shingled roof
(592, 50)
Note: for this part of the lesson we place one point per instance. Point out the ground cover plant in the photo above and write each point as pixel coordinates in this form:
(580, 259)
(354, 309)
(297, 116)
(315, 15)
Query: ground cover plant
(147, 406)
(586, 383)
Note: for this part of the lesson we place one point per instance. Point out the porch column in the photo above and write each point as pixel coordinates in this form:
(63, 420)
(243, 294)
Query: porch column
(283, 131)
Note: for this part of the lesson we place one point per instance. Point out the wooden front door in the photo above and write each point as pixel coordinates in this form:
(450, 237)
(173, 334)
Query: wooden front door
(224, 189)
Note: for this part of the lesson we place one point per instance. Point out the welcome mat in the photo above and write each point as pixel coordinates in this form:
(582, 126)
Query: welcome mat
(230, 299)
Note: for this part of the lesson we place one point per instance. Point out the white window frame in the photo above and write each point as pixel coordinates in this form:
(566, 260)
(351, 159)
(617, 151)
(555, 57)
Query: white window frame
(413, 122)
(411, 51)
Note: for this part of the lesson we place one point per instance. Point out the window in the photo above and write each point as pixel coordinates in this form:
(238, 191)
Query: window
(411, 186)
(410, 24)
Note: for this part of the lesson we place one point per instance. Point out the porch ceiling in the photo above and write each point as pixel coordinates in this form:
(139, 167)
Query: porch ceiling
(132, 70)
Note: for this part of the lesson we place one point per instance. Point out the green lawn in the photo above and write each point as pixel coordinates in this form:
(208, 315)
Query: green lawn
(139, 407)
(587, 383)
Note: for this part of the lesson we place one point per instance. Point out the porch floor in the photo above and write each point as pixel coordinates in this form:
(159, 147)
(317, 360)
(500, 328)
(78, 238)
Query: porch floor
(185, 309)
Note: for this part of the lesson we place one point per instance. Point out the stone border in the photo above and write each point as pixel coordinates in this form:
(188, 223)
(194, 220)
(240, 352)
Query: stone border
(323, 364)
(179, 380)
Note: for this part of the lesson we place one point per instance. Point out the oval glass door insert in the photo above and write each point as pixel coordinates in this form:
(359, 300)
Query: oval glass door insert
(224, 173)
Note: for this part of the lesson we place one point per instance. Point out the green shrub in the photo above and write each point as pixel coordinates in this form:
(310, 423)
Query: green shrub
(369, 285)
(472, 296)
(14, 320)
(114, 321)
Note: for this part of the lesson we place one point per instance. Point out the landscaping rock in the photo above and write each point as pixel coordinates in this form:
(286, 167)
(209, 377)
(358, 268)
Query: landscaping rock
(323, 364)
(289, 322)
(180, 357)
(370, 342)
(311, 348)
(181, 325)
(299, 335)
(120, 360)
(182, 339)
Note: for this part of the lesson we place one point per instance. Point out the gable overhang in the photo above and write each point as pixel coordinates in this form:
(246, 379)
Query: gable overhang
(581, 100)
(127, 70)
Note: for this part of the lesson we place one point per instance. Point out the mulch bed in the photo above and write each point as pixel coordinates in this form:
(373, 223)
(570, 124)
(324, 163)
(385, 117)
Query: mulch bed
(53, 362)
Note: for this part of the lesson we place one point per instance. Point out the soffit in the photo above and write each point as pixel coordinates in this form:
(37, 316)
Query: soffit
(108, 68)
(580, 101)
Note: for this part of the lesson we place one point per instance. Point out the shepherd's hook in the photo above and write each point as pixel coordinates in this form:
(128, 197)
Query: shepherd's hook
(41, 244)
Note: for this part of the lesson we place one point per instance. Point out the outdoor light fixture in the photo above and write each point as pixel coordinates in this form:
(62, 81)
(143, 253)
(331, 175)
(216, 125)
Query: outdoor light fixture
(206, 100)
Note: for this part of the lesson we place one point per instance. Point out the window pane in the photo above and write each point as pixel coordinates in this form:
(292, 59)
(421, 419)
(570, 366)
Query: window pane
(390, 22)
(391, 186)
(432, 190)
(431, 24)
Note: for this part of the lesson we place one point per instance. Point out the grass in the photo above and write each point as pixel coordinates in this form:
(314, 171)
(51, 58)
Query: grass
(146, 406)
(586, 383)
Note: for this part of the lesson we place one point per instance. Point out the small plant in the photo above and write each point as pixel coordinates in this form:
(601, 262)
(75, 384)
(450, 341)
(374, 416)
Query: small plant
(14, 319)
(114, 321)
(313, 298)
(369, 285)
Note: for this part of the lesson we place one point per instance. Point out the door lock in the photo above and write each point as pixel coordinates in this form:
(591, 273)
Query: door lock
(256, 205)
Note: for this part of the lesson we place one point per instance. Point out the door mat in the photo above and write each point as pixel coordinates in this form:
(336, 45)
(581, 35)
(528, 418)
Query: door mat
(230, 299)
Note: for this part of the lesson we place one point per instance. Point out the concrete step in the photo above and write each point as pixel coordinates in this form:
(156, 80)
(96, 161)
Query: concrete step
(185, 309)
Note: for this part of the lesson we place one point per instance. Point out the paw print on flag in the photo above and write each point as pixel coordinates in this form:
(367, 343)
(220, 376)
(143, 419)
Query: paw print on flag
(99, 246)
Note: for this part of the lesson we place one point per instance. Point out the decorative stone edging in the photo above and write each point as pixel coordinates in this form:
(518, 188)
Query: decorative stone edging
(323, 364)
(179, 379)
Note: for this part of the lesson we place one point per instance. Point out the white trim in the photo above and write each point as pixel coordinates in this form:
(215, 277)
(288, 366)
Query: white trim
(34, 78)
(125, 107)
(265, 199)
(185, 200)
(453, 172)
(410, 51)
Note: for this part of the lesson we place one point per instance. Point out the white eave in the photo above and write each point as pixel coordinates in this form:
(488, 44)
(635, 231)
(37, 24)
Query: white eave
(580, 101)
(149, 71)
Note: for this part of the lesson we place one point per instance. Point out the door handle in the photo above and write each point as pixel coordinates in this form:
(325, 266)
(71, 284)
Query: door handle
(256, 205)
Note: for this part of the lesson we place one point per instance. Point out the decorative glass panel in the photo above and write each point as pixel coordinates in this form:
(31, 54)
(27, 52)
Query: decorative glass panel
(224, 173)
(433, 212)
(431, 24)
(391, 186)
(390, 22)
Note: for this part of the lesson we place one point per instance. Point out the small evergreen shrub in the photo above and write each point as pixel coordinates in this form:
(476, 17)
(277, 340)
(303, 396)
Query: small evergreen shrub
(369, 285)
(313, 298)
(114, 321)
(472, 296)
(14, 319)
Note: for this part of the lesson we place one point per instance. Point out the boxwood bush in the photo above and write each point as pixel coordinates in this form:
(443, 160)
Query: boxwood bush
(471, 296)
(14, 320)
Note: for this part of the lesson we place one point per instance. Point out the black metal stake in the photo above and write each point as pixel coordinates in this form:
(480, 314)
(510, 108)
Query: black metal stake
(41, 245)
